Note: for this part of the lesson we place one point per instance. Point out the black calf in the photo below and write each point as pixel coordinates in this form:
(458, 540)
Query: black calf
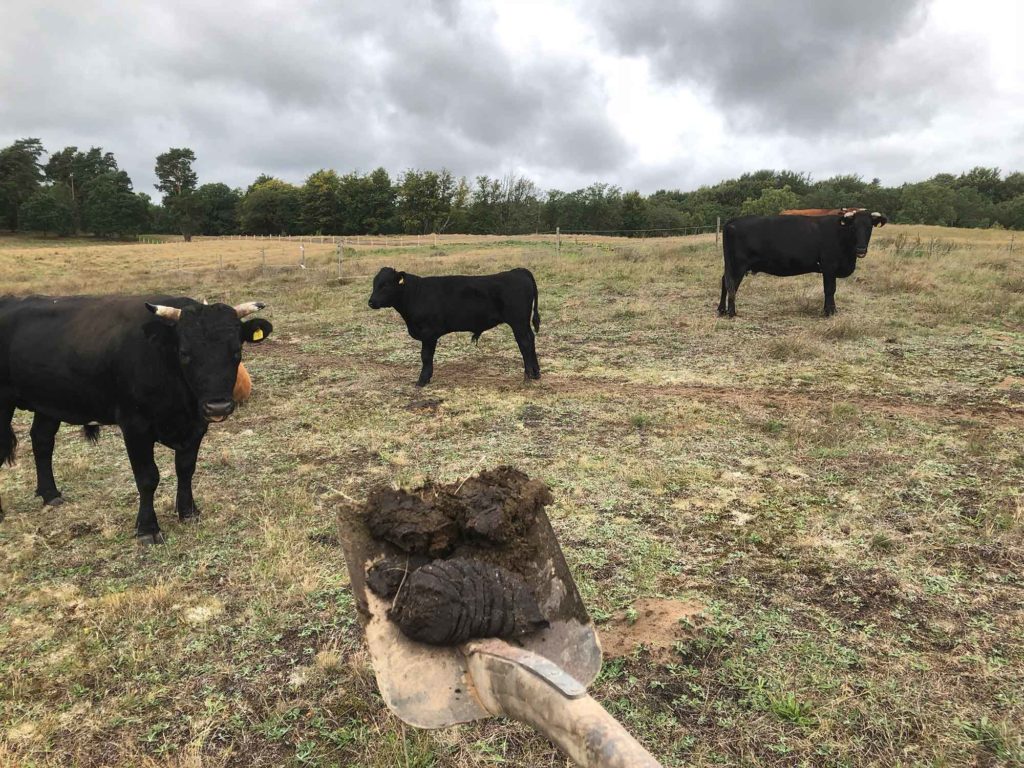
(435, 306)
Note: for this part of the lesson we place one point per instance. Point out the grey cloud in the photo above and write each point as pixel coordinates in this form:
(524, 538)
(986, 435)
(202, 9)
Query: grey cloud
(290, 88)
(322, 84)
(800, 67)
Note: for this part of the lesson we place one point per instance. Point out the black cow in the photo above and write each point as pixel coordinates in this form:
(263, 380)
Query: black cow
(795, 245)
(434, 306)
(160, 367)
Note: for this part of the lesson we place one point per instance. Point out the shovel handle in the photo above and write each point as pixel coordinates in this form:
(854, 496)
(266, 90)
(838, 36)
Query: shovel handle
(527, 687)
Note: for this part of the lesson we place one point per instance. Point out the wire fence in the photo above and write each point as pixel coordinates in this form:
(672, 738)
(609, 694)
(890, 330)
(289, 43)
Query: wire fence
(334, 253)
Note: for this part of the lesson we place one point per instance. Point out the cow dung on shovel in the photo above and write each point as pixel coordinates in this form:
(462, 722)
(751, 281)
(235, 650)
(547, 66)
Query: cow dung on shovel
(470, 612)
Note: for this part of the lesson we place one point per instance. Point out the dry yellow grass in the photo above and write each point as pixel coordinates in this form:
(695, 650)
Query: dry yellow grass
(844, 496)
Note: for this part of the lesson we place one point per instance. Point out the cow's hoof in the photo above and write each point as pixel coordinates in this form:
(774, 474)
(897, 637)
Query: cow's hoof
(56, 501)
(149, 539)
(422, 383)
(190, 515)
(721, 312)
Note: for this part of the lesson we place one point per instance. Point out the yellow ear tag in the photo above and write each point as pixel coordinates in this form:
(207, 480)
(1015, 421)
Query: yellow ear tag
(257, 334)
(401, 280)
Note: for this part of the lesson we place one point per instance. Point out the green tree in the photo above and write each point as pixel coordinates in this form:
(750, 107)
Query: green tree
(843, 191)
(48, 210)
(271, 207)
(770, 202)
(509, 205)
(177, 181)
(76, 170)
(367, 204)
(1010, 213)
(321, 203)
(110, 207)
(987, 181)
(217, 209)
(427, 201)
(927, 202)
(1013, 186)
(972, 208)
(21, 175)
(634, 213)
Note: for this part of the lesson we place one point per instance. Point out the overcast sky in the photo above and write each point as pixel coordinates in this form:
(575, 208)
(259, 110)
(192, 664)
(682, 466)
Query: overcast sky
(645, 94)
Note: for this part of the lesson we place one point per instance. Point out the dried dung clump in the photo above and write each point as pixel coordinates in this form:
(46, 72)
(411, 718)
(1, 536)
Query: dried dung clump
(451, 601)
(495, 507)
(386, 576)
(461, 547)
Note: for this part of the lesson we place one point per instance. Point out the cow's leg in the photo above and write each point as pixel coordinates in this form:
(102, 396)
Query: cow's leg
(732, 284)
(184, 468)
(427, 356)
(8, 440)
(147, 477)
(525, 340)
(830, 294)
(44, 429)
(721, 301)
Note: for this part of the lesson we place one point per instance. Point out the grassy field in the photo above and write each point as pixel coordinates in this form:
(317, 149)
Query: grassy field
(836, 507)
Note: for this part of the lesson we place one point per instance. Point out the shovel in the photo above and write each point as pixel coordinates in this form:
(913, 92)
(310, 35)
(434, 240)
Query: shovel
(541, 681)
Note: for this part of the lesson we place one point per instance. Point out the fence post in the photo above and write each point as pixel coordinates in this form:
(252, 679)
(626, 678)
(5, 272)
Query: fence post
(558, 238)
(302, 261)
(1011, 243)
(718, 229)
(263, 253)
(340, 247)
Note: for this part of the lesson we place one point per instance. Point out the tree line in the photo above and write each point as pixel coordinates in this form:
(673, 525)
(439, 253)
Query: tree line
(72, 192)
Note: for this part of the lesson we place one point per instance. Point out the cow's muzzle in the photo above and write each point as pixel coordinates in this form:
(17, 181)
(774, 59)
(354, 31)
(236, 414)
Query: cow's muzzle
(373, 304)
(862, 254)
(218, 410)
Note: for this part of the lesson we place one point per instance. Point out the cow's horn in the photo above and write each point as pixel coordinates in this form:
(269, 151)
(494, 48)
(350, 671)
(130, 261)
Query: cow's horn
(876, 215)
(167, 313)
(850, 212)
(248, 308)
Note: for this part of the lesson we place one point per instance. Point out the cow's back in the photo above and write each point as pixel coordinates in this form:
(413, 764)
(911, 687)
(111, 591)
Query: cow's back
(74, 357)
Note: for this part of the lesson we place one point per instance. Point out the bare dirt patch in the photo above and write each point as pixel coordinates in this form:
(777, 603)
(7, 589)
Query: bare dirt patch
(653, 623)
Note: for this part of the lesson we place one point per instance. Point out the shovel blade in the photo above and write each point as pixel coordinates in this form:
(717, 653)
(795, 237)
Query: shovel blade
(431, 686)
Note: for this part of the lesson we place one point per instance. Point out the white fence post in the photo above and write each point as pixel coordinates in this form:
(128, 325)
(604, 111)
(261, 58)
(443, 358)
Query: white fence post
(558, 238)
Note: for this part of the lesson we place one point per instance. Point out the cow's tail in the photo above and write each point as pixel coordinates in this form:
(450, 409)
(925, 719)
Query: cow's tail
(536, 303)
(8, 444)
(91, 432)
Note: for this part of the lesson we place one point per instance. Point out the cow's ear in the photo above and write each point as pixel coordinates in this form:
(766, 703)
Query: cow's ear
(401, 278)
(255, 331)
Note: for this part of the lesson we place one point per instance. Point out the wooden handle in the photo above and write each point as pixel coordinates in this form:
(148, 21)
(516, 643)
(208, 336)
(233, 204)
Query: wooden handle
(527, 687)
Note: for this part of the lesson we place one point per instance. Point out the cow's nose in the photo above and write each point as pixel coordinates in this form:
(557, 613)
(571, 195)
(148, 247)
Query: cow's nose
(218, 409)
(862, 253)
(372, 303)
